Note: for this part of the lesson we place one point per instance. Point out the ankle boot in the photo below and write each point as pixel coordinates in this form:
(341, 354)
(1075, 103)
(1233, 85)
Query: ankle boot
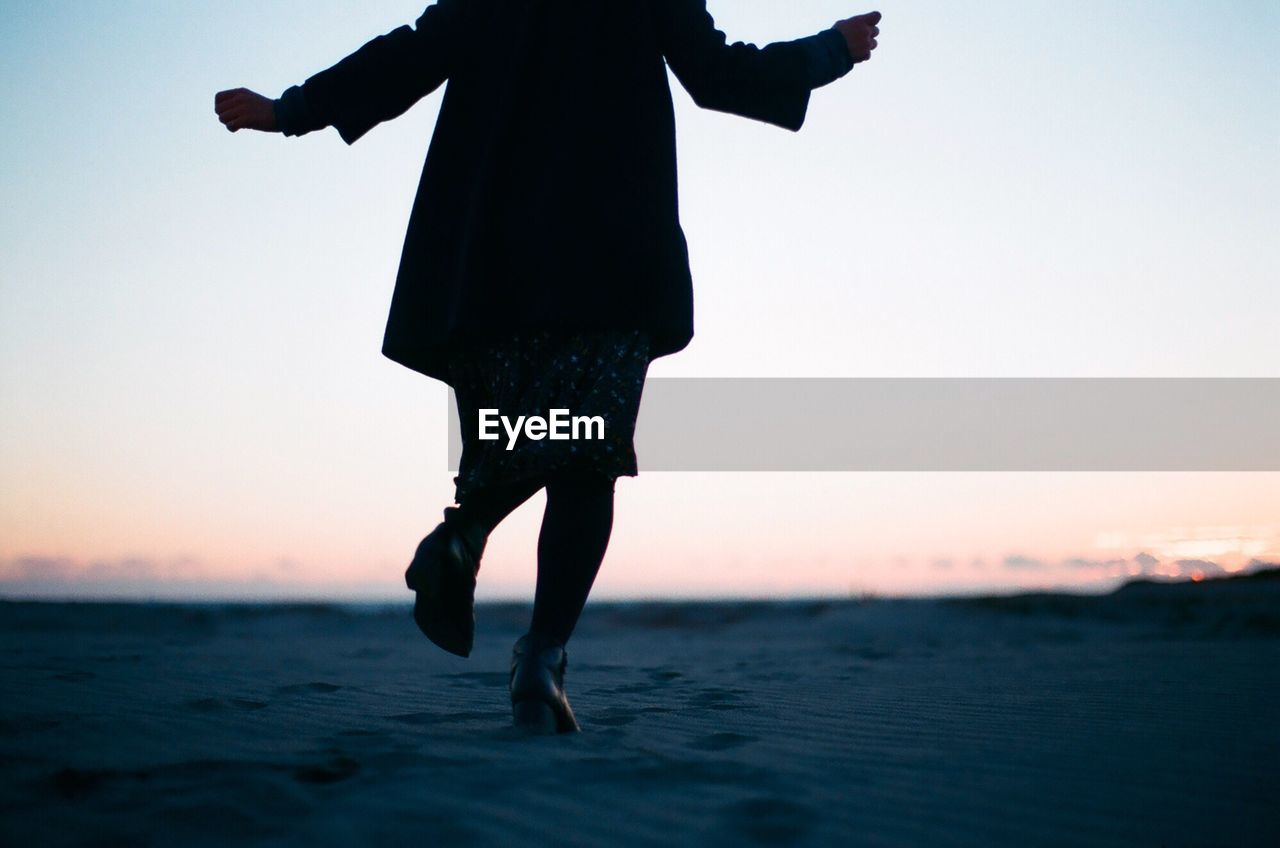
(538, 702)
(443, 574)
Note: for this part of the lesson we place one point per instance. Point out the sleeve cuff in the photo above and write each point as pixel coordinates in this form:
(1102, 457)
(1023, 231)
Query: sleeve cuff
(827, 56)
(293, 114)
(838, 49)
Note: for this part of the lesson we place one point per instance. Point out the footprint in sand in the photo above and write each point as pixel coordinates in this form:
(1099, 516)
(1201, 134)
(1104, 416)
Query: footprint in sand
(717, 699)
(663, 675)
(336, 770)
(426, 719)
(633, 689)
(618, 719)
(722, 741)
(316, 687)
(620, 716)
(218, 705)
(872, 653)
(481, 678)
(659, 677)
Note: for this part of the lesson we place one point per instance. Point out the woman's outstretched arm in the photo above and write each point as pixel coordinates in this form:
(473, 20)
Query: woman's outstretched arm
(378, 82)
(770, 83)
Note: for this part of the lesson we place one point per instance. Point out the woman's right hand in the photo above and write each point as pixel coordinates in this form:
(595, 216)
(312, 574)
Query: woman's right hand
(860, 34)
(242, 109)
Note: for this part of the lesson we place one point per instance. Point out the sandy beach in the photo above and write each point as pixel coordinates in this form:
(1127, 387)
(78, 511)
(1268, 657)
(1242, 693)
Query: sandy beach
(1144, 717)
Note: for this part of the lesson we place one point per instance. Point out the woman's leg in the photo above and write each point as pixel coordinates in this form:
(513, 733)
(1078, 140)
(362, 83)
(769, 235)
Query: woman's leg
(487, 507)
(571, 546)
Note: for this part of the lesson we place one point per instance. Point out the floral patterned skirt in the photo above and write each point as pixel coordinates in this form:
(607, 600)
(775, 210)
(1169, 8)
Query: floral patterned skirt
(588, 373)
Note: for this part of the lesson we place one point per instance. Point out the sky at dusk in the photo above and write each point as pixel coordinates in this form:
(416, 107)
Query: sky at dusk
(194, 403)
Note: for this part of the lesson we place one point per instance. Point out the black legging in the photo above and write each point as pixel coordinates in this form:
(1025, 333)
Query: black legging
(571, 545)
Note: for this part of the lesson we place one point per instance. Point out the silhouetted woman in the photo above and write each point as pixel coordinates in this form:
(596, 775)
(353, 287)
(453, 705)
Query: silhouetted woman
(544, 265)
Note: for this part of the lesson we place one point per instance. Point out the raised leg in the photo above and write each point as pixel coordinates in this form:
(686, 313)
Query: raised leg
(486, 508)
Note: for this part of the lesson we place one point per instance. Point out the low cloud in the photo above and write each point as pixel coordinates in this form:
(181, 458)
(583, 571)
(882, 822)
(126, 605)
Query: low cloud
(183, 578)
(1191, 567)
(1080, 562)
(24, 569)
(1146, 560)
(36, 568)
(1140, 565)
(49, 577)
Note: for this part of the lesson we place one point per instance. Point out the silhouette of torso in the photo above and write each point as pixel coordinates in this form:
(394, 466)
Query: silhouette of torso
(548, 198)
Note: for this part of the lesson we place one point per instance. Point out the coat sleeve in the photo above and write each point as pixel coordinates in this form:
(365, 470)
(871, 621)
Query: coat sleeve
(769, 84)
(382, 79)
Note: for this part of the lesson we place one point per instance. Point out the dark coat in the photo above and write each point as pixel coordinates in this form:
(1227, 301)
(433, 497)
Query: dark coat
(548, 198)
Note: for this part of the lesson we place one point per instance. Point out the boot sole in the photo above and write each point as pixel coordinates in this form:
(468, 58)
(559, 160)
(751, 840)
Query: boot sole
(429, 615)
(443, 591)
